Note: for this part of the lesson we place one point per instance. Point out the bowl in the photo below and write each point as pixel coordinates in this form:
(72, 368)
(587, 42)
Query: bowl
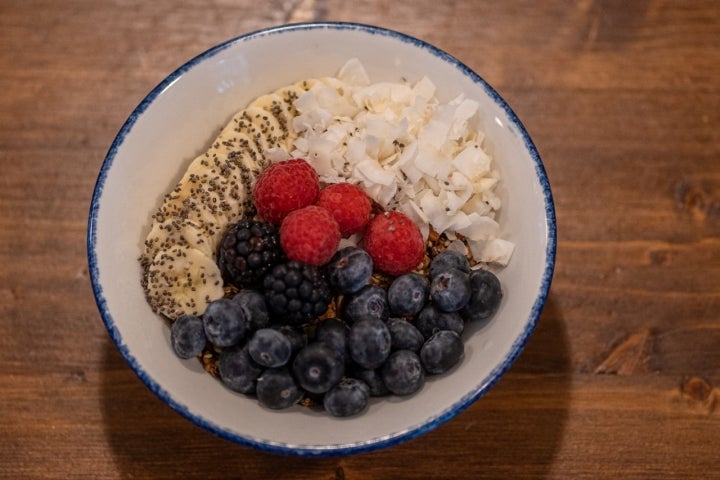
(180, 117)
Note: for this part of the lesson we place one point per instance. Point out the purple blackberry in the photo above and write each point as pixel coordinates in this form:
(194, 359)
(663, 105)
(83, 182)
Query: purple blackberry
(248, 250)
(296, 293)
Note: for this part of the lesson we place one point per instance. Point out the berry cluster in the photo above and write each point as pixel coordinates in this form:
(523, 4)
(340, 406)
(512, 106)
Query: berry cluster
(312, 219)
(382, 341)
(276, 336)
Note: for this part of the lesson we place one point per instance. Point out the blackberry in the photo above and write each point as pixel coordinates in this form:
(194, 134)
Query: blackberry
(296, 293)
(248, 250)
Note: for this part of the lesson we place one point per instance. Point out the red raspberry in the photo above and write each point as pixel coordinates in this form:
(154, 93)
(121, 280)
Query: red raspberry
(349, 206)
(394, 243)
(310, 235)
(283, 187)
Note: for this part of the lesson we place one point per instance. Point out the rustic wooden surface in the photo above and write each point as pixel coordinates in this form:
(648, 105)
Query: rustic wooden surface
(620, 379)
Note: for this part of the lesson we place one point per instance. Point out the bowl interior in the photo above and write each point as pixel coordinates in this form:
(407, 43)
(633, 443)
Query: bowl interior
(181, 117)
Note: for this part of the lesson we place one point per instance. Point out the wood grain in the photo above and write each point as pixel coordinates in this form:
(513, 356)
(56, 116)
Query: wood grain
(622, 375)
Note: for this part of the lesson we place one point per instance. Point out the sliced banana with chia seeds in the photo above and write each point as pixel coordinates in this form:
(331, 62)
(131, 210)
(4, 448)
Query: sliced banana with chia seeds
(180, 275)
(211, 194)
(182, 280)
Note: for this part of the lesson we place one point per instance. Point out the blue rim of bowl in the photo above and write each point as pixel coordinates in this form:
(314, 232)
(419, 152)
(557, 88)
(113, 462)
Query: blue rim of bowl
(373, 444)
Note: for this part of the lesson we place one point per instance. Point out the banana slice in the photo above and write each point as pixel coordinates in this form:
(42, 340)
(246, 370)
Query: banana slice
(241, 147)
(255, 125)
(182, 280)
(166, 234)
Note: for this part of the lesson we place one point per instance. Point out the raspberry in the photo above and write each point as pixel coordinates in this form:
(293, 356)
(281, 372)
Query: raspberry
(283, 187)
(349, 206)
(394, 243)
(310, 235)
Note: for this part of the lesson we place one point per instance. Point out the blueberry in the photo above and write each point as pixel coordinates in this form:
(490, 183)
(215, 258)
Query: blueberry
(373, 380)
(349, 269)
(430, 320)
(447, 260)
(403, 373)
(486, 294)
(277, 389)
(333, 333)
(318, 367)
(269, 348)
(349, 397)
(407, 294)
(254, 307)
(224, 323)
(296, 335)
(369, 302)
(369, 342)
(187, 336)
(404, 335)
(237, 370)
(450, 290)
(441, 352)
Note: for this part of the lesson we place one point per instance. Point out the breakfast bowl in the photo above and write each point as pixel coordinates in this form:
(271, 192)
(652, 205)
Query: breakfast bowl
(178, 120)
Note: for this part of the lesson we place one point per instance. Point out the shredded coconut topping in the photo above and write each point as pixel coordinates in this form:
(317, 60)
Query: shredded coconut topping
(408, 151)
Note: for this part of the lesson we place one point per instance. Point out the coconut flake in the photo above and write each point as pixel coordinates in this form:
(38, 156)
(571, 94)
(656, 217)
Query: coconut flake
(353, 72)
(276, 154)
(480, 227)
(495, 250)
(424, 88)
(371, 171)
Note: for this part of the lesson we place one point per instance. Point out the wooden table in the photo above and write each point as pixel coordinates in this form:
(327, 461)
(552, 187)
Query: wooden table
(621, 378)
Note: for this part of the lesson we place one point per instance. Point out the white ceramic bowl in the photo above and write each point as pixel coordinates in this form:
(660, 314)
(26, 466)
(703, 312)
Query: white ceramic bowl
(179, 118)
